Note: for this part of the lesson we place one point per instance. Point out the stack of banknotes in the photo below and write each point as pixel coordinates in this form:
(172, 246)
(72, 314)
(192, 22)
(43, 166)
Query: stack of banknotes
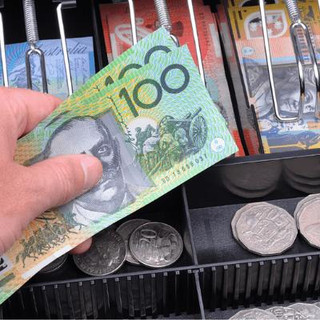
(245, 23)
(116, 24)
(153, 128)
(81, 58)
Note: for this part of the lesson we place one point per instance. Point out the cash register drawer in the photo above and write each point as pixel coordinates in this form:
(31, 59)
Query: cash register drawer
(215, 277)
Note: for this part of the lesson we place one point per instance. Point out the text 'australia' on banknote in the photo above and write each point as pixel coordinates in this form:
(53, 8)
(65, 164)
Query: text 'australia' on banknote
(152, 131)
(81, 58)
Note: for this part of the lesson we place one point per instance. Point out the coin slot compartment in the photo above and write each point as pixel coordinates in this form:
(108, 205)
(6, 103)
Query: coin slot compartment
(213, 207)
(214, 242)
(149, 293)
(230, 276)
(169, 209)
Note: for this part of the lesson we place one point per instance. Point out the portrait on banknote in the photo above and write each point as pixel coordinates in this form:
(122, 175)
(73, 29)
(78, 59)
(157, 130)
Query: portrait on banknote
(122, 179)
(279, 135)
(287, 82)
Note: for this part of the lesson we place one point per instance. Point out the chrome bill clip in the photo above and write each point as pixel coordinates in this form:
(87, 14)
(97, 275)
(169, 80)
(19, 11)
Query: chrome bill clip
(296, 24)
(133, 22)
(165, 21)
(32, 38)
(63, 5)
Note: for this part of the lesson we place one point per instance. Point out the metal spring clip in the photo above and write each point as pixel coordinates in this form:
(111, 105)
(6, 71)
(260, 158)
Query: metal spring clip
(165, 21)
(65, 5)
(295, 25)
(164, 18)
(70, 4)
(133, 22)
(298, 24)
(3, 51)
(33, 37)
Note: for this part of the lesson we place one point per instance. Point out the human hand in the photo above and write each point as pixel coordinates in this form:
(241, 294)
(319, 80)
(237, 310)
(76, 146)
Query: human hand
(26, 192)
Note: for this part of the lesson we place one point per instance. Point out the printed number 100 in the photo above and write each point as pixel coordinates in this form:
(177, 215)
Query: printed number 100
(135, 95)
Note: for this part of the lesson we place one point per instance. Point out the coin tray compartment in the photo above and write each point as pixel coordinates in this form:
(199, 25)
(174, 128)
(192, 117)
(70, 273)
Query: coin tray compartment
(227, 314)
(169, 210)
(213, 239)
(230, 276)
(131, 291)
(141, 294)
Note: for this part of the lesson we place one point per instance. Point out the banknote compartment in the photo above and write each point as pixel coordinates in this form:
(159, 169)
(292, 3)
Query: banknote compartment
(245, 59)
(78, 22)
(245, 114)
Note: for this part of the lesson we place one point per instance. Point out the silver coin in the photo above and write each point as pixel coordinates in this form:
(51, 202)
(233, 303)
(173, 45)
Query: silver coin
(55, 265)
(305, 201)
(300, 203)
(106, 254)
(310, 311)
(237, 216)
(309, 222)
(266, 230)
(253, 314)
(125, 231)
(156, 244)
(285, 313)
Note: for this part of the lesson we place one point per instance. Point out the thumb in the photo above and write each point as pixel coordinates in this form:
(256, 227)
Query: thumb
(58, 180)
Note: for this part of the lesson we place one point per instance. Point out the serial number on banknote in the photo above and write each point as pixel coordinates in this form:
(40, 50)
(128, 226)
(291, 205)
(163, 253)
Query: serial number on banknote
(182, 170)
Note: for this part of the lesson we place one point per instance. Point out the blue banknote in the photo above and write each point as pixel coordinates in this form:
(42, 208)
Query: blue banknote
(81, 57)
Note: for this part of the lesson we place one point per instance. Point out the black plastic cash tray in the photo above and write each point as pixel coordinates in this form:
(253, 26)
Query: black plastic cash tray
(215, 276)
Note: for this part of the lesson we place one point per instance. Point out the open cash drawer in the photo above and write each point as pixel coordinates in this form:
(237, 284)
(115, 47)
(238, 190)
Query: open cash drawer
(215, 277)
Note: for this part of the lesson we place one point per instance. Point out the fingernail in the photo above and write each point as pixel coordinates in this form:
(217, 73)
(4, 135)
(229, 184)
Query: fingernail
(92, 170)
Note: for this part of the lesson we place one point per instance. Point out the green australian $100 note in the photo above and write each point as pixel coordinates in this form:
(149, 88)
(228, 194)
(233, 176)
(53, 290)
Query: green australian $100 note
(146, 50)
(152, 131)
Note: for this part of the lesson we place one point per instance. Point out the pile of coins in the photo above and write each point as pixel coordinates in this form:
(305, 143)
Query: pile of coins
(300, 179)
(137, 241)
(241, 181)
(297, 311)
(266, 229)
